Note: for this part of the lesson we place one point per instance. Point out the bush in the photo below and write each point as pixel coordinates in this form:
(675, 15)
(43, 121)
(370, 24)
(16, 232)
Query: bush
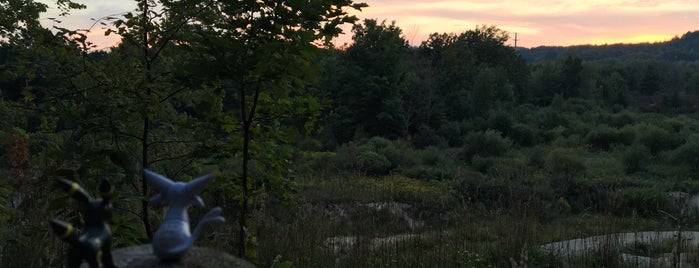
(627, 135)
(523, 135)
(602, 137)
(316, 162)
(536, 157)
(377, 144)
(509, 169)
(656, 139)
(564, 164)
(451, 132)
(487, 143)
(622, 119)
(432, 156)
(688, 153)
(501, 121)
(482, 164)
(548, 118)
(469, 259)
(427, 173)
(645, 202)
(425, 136)
(636, 158)
(346, 157)
(372, 163)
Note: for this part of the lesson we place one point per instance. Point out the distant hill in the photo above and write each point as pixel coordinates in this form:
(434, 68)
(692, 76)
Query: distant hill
(685, 48)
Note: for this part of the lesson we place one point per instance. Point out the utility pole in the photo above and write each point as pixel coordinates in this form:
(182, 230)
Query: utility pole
(516, 40)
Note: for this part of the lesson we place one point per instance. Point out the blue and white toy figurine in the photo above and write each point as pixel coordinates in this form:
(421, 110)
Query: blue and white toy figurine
(172, 240)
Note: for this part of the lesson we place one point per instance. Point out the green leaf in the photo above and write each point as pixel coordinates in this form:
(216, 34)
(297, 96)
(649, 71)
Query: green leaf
(285, 264)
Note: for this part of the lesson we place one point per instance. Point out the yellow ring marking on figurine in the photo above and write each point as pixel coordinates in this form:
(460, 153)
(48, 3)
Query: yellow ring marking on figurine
(69, 230)
(74, 187)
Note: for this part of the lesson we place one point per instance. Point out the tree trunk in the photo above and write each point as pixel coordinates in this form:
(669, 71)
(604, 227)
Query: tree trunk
(145, 217)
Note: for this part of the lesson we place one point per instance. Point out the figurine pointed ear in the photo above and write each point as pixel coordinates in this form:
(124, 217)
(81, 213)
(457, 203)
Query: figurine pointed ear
(197, 185)
(106, 190)
(74, 190)
(159, 182)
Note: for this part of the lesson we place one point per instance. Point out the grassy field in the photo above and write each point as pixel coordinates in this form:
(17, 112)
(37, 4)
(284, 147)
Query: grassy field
(394, 221)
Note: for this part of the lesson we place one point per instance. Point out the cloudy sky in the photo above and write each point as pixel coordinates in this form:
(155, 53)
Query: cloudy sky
(536, 22)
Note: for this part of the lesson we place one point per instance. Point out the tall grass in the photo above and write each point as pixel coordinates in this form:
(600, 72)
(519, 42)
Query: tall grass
(332, 226)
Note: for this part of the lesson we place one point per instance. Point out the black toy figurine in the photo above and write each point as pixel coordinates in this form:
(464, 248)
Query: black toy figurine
(94, 244)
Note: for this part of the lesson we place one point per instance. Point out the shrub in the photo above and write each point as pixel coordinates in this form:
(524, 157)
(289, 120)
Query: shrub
(469, 259)
(548, 118)
(645, 202)
(482, 164)
(636, 158)
(501, 121)
(372, 163)
(432, 156)
(523, 135)
(688, 153)
(315, 162)
(509, 169)
(622, 119)
(536, 157)
(627, 135)
(602, 137)
(570, 141)
(564, 163)
(346, 157)
(486, 143)
(451, 132)
(469, 182)
(655, 138)
(378, 143)
(425, 136)
(427, 173)
(378, 156)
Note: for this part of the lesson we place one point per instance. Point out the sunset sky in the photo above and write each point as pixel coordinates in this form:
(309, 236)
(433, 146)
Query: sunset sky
(537, 22)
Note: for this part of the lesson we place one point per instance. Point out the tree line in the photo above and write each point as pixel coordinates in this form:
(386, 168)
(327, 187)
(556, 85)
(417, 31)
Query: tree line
(432, 93)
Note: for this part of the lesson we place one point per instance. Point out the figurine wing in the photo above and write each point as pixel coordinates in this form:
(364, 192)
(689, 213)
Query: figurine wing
(159, 182)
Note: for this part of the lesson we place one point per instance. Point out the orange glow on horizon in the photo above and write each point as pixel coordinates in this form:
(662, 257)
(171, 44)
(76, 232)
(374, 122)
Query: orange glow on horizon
(537, 22)
(541, 22)
(636, 39)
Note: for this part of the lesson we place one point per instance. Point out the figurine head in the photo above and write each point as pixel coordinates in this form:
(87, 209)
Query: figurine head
(176, 194)
(96, 211)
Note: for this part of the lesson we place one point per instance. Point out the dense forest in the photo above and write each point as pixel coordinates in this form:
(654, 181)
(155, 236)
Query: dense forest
(459, 152)
(682, 48)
